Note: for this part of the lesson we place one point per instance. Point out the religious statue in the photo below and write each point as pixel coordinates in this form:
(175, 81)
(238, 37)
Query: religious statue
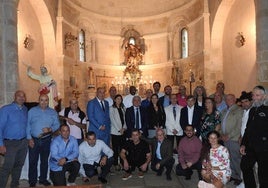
(175, 75)
(47, 85)
(90, 76)
(133, 55)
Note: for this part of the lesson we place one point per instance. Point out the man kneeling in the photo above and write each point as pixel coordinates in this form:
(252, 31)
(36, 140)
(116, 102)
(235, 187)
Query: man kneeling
(63, 158)
(95, 158)
(136, 153)
(162, 154)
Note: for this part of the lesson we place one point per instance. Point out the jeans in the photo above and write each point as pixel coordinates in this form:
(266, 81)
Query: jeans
(189, 171)
(58, 177)
(90, 170)
(41, 148)
(16, 151)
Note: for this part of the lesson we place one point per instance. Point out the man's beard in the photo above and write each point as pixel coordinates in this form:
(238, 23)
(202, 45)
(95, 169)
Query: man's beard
(258, 103)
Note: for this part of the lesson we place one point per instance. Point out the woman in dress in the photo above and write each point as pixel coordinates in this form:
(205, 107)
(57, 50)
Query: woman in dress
(200, 95)
(118, 127)
(157, 116)
(210, 120)
(216, 162)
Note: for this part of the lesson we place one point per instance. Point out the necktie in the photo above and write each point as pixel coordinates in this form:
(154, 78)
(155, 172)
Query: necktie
(158, 153)
(174, 112)
(137, 119)
(102, 106)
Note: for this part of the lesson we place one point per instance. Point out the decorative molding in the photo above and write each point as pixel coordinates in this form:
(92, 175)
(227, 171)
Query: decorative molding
(132, 19)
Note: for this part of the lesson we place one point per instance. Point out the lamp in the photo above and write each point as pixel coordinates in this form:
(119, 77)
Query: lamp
(26, 41)
(241, 38)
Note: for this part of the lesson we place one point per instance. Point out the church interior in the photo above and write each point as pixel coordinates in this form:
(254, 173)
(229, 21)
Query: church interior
(86, 44)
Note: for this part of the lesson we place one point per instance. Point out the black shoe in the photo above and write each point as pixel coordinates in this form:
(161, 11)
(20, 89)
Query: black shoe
(237, 182)
(159, 172)
(102, 180)
(187, 177)
(169, 178)
(32, 184)
(45, 183)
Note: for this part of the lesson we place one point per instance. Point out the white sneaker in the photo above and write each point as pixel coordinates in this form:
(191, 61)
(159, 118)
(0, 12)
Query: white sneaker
(126, 176)
(99, 170)
(71, 184)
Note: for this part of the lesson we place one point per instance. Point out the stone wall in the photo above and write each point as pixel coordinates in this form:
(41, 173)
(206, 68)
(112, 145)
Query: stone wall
(239, 61)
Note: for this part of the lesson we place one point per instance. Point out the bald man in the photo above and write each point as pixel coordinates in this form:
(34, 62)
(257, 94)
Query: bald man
(230, 131)
(13, 142)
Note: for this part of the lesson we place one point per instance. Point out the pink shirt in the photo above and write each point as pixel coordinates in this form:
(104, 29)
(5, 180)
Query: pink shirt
(189, 150)
(182, 100)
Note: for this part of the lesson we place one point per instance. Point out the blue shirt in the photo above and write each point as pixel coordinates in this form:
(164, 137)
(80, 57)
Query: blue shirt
(60, 149)
(166, 101)
(39, 119)
(145, 103)
(222, 106)
(158, 153)
(13, 121)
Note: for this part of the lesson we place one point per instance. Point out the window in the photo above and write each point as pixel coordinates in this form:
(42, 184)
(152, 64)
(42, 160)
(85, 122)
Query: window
(82, 52)
(132, 40)
(184, 43)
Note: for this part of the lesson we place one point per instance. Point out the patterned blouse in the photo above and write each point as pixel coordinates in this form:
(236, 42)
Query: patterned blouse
(219, 157)
(209, 122)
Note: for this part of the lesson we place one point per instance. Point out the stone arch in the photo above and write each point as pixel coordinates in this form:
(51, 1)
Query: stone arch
(175, 27)
(89, 29)
(214, 66)
(87, 25)
(48, 30)
(44, 45)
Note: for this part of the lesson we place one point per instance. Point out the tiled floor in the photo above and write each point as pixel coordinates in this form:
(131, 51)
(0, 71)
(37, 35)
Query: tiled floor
(150, 180)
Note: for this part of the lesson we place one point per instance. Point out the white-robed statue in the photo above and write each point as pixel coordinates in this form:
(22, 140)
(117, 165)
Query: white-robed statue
(47, 85)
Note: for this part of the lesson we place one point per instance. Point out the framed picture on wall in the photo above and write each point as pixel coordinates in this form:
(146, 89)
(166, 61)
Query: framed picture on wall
(105, 82)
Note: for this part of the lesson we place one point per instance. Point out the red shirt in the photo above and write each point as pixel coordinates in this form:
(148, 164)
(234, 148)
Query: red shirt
(189, 150)
(182, 100)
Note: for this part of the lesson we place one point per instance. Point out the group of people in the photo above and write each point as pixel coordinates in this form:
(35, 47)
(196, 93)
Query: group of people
(217, 135)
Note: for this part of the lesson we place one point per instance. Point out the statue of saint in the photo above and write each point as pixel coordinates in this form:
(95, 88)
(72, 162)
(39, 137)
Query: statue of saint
(133, 56)
(47, 85)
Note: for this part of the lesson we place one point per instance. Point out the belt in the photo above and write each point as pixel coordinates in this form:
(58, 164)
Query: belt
(41, 138)
(14, 139)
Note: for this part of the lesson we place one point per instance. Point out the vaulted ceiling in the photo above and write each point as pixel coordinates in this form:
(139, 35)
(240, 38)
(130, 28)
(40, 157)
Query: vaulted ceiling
(130, 8)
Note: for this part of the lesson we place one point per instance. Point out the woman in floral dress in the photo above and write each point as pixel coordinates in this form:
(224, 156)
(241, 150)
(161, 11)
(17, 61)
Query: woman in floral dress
(210, 120)
(216, 163)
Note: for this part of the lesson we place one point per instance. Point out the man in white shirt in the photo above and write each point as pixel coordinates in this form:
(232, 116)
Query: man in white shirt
(173, 127)
(191, 115)
(246, 102)
(128, 98)
(94, 155)
(112, 92)
(75, 119)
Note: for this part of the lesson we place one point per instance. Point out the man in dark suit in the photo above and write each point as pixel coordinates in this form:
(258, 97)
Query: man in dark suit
(162, 154)
(254, 146)
(99, 117)
(191, 115)
(136, 118)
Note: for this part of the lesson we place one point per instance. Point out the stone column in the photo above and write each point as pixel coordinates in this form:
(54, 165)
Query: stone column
(170, 47)
(93, 50)
(261, 7)
(8, 50)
